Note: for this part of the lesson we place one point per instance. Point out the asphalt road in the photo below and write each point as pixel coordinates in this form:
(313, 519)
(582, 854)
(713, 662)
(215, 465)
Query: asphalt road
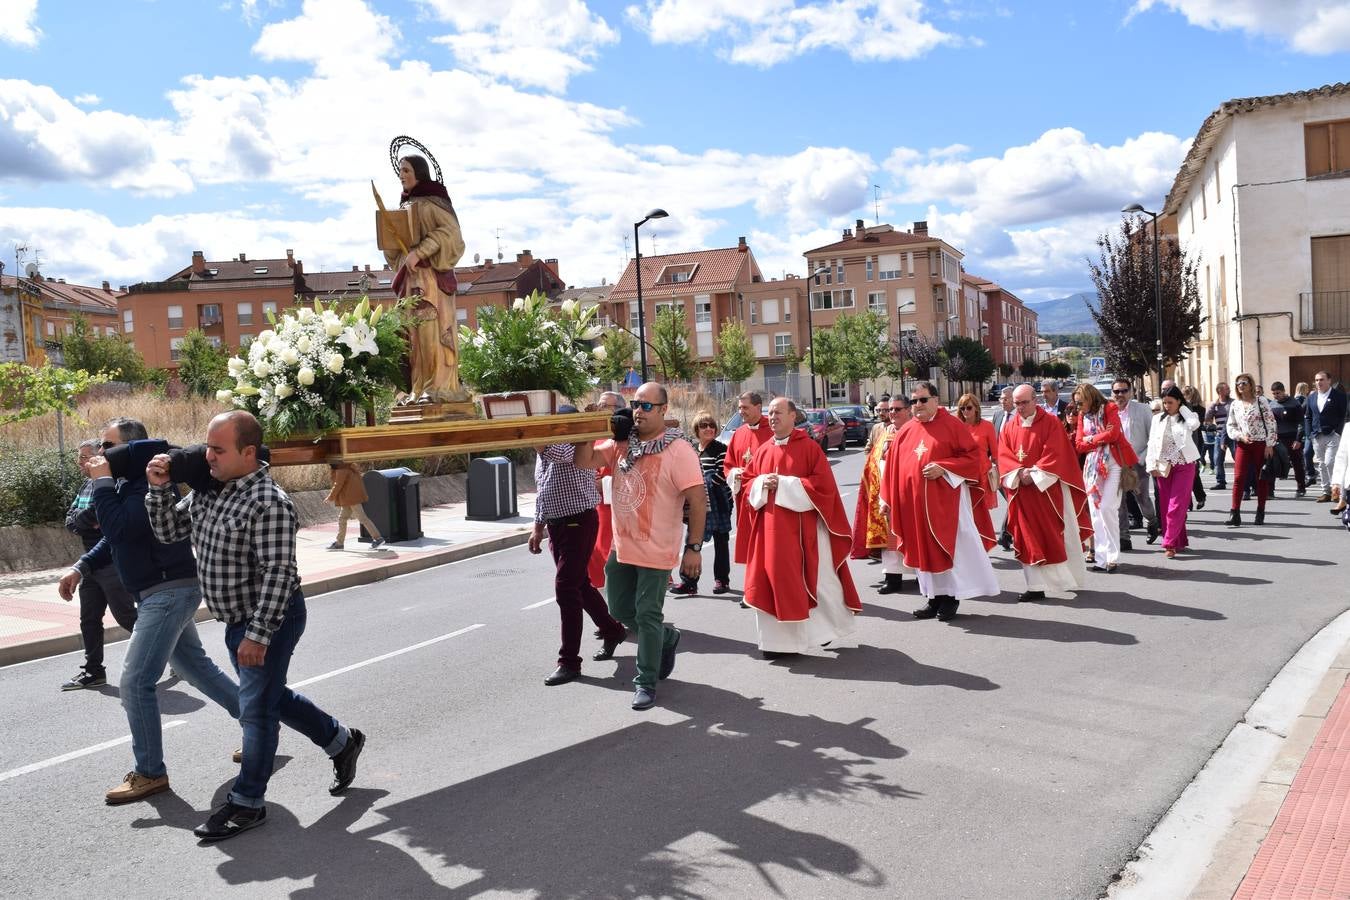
(1021, 751)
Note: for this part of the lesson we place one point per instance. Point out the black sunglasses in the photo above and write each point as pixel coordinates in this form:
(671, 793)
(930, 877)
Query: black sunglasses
(919, 399)
(644, 405)
(967, 406)
(1116, 392)
(107, 445)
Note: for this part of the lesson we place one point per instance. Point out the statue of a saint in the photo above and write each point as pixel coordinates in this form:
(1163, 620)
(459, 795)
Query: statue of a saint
(427, 271)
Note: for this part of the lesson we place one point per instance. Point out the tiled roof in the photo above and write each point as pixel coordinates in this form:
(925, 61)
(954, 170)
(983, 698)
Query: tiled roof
(59, 294)
(379, 283)
(597, 294)
(501, 277)
(1215, 123)
(234, 270)
(875, 237)
(718, 271)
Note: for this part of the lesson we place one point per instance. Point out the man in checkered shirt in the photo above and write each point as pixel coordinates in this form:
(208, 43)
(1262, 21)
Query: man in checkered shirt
(244, 535)
(565, 505)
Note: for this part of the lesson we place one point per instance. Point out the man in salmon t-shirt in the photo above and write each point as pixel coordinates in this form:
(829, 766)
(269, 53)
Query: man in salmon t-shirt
(655, 473)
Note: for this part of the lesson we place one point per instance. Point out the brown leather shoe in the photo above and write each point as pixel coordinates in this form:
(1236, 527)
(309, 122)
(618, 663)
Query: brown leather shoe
(136, 787)
(237, 756)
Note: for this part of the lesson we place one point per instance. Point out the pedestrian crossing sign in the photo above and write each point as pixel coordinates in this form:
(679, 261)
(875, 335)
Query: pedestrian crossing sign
(1097, 365)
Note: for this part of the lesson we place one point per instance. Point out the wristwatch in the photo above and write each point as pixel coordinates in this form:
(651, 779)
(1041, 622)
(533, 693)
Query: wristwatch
(697, 548)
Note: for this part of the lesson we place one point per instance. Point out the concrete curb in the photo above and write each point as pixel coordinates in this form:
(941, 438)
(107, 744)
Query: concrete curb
(1208, 838)
(68, 643)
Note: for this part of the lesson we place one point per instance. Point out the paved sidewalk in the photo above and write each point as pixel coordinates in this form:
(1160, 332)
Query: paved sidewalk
(35, 622)
(1292, 839)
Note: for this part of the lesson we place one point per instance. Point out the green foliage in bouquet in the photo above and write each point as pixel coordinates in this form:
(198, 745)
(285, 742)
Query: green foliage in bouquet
(527, 347)
(297, 374)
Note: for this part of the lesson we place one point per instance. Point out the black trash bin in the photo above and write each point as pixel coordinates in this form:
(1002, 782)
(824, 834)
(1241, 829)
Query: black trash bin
(395, 504)
(491, 489)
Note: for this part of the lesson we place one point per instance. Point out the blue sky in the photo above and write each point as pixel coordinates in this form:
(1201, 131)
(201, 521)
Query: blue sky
(132, 137)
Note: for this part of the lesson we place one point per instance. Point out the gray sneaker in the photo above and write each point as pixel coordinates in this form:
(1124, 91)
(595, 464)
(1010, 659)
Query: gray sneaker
(85, 679)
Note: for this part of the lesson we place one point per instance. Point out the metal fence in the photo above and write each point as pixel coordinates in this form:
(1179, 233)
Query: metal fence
(1324, 312)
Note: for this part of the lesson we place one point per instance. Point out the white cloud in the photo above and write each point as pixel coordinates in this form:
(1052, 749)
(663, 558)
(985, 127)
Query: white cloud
(767, 32)
(1308, 26)
(44, 137)
(86, 100)
(1031, 215)
(535, 43)
(334, 35)
(18, 23)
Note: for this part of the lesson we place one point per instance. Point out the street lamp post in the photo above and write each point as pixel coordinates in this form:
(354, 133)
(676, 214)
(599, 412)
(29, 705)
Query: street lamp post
(810, 337)
(1157, 286)
(637, 253)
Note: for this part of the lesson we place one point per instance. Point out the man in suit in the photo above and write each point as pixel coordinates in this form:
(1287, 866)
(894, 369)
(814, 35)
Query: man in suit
(1005, 410)
(1050, 401)
(1135, 419)
(1323, 418)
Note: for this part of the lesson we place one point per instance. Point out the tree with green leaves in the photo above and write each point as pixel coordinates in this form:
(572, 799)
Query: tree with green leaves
(1005, 370)
(670, 343)
(1029, 368)
(202, 366)
(107, 354)
(735, 360)
(1127, 317)
(967, 360)
(27, 392)
(619, 348)
(854, 350)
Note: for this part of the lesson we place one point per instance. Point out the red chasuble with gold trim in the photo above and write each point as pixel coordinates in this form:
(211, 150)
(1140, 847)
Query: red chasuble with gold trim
(783, 546)
(740, 450)
(1036, 518)
(925, 512)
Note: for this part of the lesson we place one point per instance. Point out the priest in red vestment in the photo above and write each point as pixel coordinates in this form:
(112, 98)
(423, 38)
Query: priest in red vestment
(933, 487)
(797, 578)
(1047, 503)
(754, 431)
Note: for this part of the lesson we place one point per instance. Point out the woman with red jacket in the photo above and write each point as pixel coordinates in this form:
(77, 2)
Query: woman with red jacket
(1107, 450)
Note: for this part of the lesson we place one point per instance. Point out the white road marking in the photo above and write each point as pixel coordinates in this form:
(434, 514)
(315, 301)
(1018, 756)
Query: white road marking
(383, 656)
(545, 602)
(76, 754)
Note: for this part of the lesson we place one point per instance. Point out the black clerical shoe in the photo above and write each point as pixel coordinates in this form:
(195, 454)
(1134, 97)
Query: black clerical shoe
(930, 611)
(230, 820)
(644, 697)
(1029, 596)
(947, 607)
(562, 675)
(1126, 545)
(893, 584)
(607, 648)
(1152, 532)
(1005, 541)
(344, 764)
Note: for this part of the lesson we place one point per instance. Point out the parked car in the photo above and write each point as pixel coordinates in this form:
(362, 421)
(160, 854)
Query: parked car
(825, 427)
(857, 421)
(993, 394)
(732, 424)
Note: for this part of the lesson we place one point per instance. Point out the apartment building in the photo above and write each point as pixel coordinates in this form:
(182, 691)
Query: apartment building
(500, 283)
(36, 312)
(1262, 202)
(1011, 331)
(229, 300)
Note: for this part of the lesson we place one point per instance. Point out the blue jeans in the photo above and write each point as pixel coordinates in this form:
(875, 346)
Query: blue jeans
(1216, 453)
(265, 703)
(164, 633)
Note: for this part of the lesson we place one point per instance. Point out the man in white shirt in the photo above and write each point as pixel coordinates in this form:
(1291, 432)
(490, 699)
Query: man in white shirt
(1135, 419)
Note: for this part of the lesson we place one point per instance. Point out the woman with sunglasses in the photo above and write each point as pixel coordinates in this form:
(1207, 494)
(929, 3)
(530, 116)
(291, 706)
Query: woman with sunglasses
(1251, 427)
(717, 527)
(968, 411)
(1101, 439)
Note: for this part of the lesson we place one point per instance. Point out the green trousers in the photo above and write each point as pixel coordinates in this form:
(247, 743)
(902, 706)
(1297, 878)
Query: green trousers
(637, 596)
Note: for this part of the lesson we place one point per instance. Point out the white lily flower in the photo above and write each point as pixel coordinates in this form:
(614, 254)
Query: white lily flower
(569, 307)
(305, 376)
(360, 338)
(335, 362)
(519, 305)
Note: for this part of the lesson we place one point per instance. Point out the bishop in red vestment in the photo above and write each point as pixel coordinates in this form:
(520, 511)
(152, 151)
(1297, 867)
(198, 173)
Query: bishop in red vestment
(797, 578)
(1047, 504)
(933, 486)
(754, 431)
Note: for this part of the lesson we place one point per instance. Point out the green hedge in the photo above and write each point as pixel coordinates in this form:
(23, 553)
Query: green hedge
(36, 486)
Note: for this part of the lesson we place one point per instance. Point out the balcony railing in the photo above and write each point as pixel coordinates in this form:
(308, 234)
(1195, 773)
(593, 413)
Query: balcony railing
(1324, 312)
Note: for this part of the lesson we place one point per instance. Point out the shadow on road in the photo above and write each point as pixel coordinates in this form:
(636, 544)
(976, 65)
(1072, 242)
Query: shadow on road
(1041, 630)
(171, 702)
(1112, 601)
(883, 664)
(1180, 570)
(1264, 559)
(599, 819)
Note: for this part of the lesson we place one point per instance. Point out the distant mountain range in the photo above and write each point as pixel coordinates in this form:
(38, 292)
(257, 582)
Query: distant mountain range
(1067, 315)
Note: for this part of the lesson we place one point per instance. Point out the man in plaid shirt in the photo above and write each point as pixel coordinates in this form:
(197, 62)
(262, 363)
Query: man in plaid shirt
(244, 535)
(565, 505)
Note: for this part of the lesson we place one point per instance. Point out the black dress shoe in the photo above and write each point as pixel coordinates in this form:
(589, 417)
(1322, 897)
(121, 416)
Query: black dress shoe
(947, 608)
(607, 648)
(1028, 596)
(775, 654)
(1234, 519)
(1152, 532)
(928, 612)
(893, 584)
(562, 675)
(668, 656)
(230, 820)
(644, 697)
(1260, 518)
(344, 764)
(1126, 545)
(1005, 541)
